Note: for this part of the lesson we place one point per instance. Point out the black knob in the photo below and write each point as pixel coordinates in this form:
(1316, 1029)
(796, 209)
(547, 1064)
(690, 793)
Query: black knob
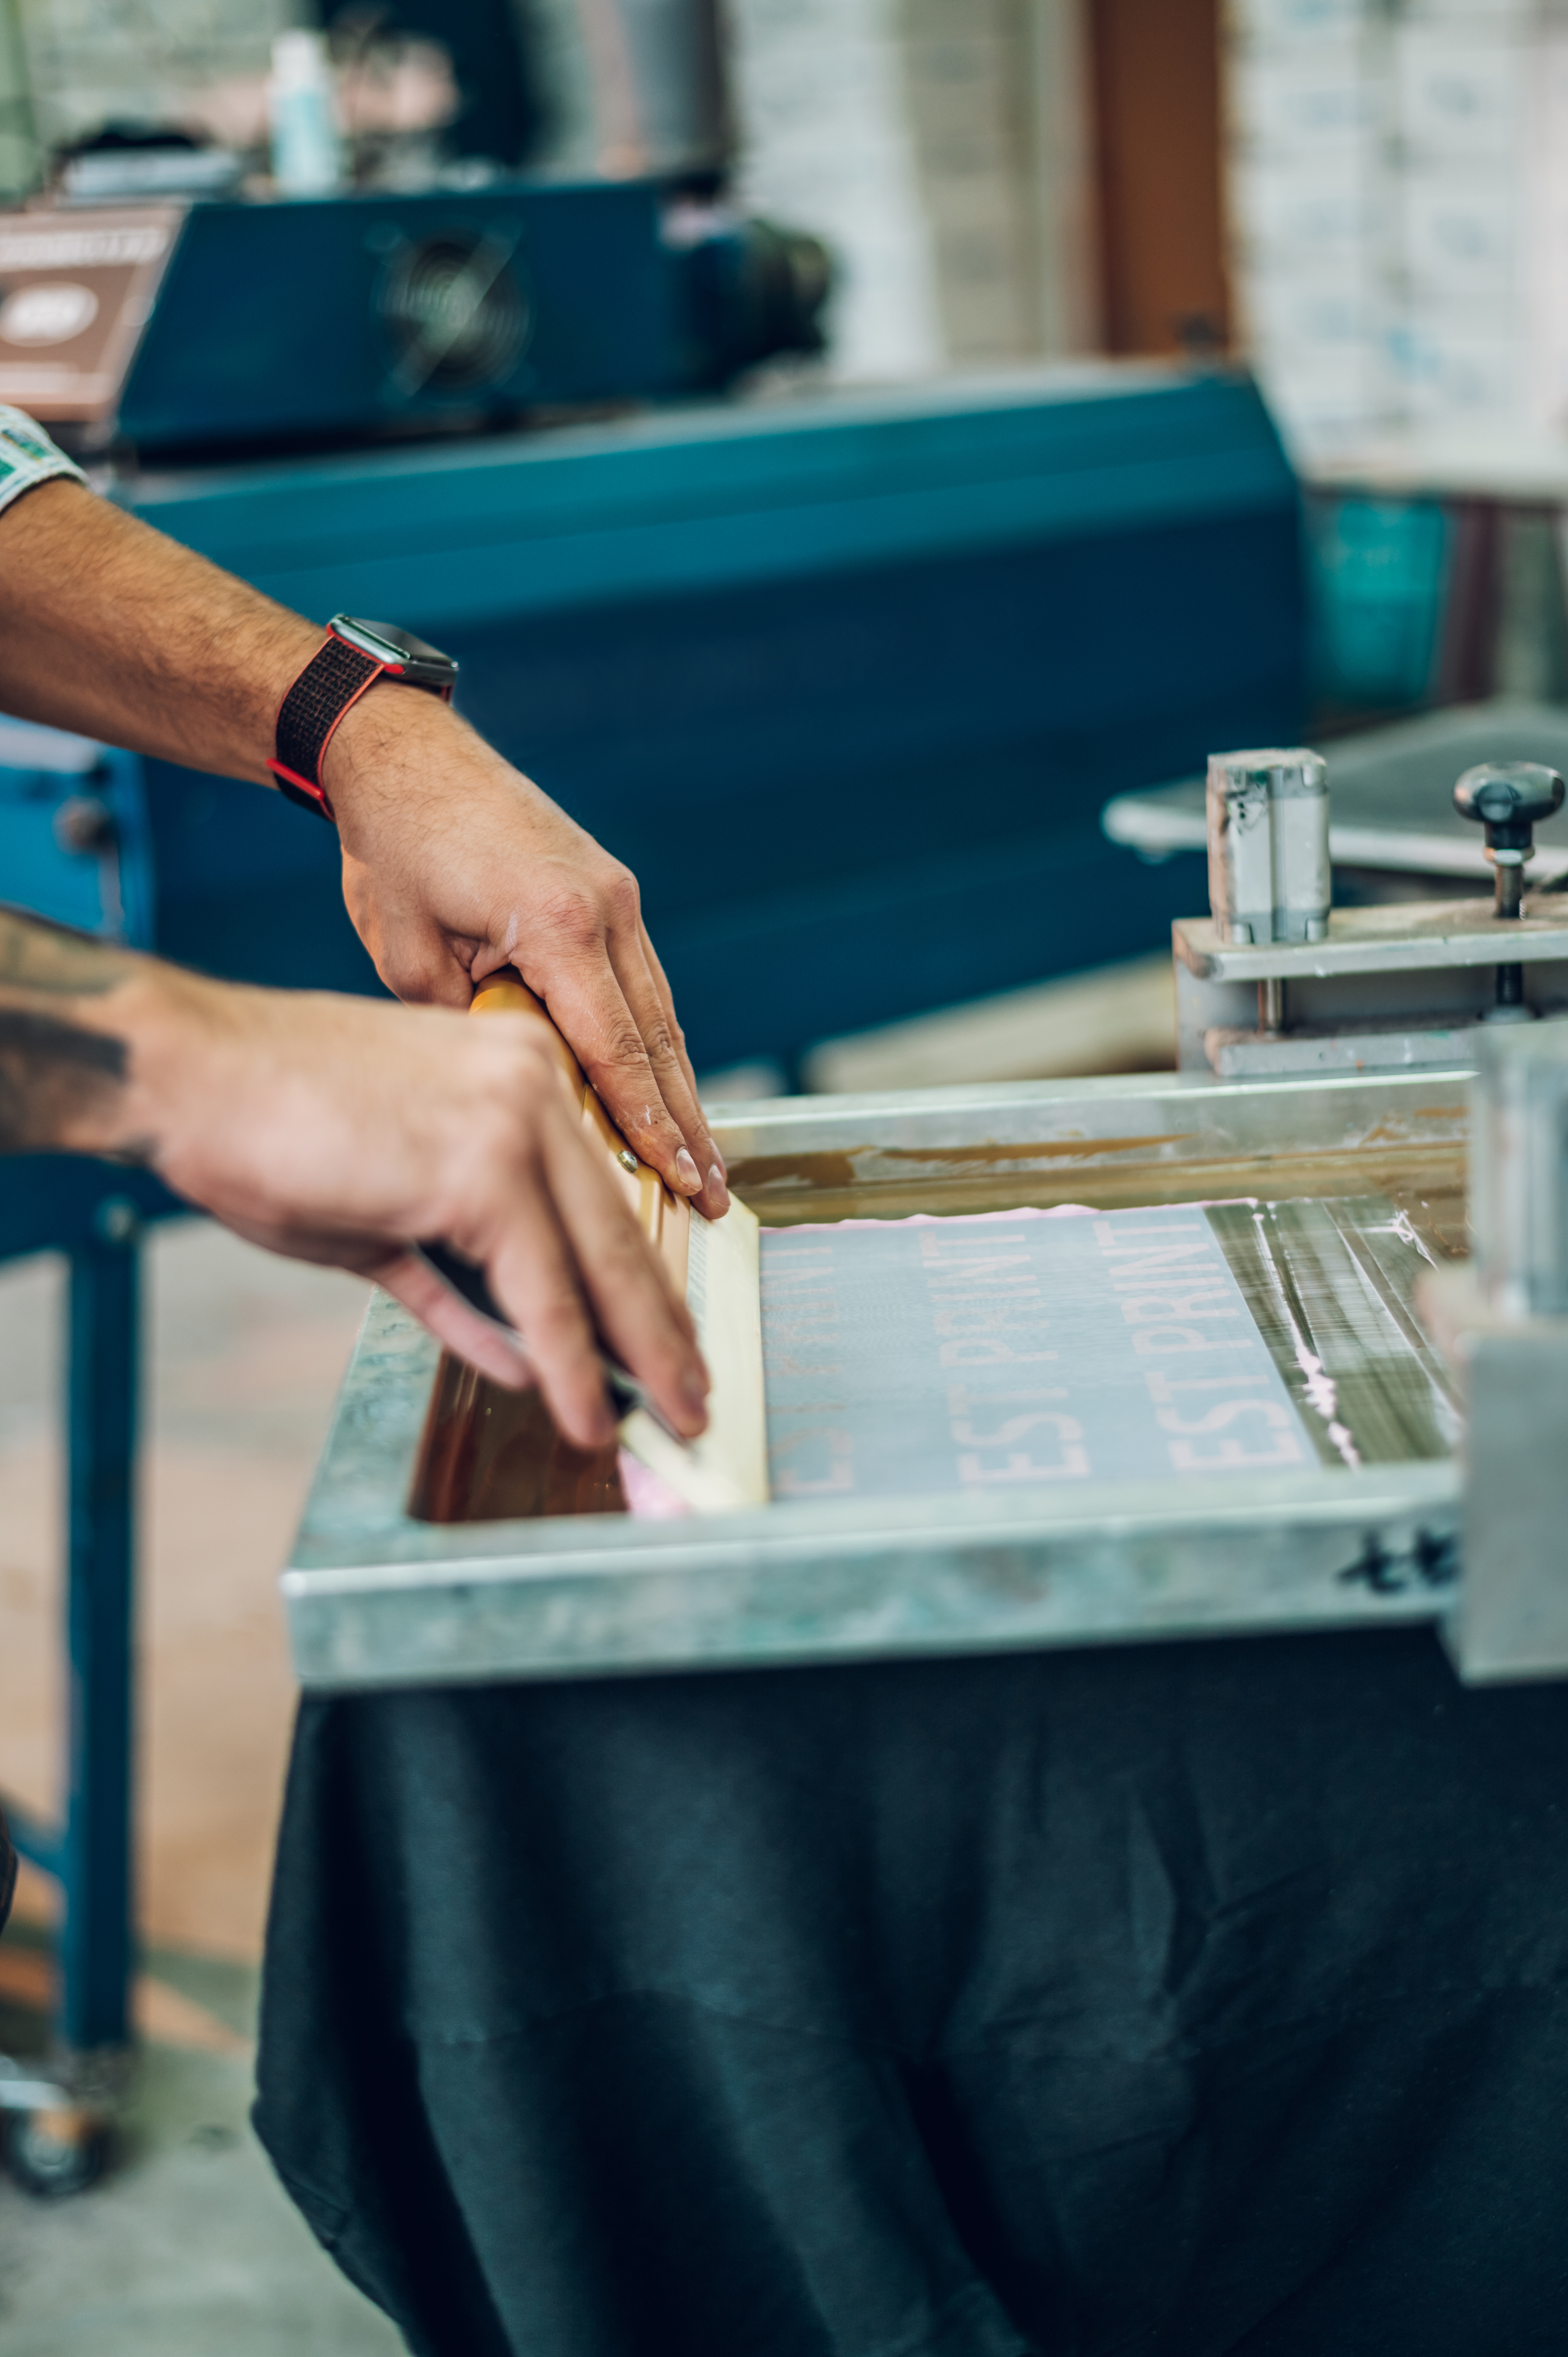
(1508, 798)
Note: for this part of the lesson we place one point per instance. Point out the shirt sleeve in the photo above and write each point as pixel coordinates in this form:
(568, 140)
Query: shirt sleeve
(27, 458)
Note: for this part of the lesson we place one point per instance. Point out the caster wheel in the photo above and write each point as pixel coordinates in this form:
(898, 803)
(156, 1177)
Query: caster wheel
(51, 2154)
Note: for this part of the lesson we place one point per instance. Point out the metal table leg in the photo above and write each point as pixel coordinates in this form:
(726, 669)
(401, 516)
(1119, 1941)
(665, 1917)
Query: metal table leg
(95, 1861)
(57, 2115)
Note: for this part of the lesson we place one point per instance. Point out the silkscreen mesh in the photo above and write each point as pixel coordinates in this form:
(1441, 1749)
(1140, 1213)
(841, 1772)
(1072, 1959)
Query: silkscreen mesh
(1017, 1349)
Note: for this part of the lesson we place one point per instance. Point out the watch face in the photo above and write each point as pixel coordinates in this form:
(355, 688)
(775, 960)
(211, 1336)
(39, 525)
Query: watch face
(425, 665)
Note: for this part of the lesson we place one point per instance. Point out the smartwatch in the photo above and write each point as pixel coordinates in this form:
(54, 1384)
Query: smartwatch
(352, 657)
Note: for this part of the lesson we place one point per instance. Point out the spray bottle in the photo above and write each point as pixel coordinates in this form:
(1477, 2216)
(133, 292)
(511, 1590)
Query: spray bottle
(307, 154)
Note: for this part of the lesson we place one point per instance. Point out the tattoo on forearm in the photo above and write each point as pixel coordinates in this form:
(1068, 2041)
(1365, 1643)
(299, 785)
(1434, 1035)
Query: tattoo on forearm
(38, 956)
(52, 1075)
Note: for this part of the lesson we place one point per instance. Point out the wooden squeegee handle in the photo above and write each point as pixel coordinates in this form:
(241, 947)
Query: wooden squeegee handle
(664, 1218)
(503, 993)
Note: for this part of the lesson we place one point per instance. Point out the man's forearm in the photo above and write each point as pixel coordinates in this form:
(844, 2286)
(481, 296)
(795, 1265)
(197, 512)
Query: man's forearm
(112, 630)
(109, 628)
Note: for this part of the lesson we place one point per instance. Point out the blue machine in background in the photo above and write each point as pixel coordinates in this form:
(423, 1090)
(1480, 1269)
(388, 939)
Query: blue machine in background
(239, 327)
(345, 316)
(845, 680)
(74, 843)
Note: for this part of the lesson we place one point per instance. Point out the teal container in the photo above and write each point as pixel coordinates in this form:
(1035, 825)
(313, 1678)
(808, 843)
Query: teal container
(1378, 577)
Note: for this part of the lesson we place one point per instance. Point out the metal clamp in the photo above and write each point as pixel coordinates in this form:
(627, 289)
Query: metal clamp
(1268, 876)
(1502, 1323)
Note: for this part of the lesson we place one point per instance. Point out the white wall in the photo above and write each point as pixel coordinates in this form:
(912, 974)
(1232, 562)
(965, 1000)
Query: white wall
(941, 148)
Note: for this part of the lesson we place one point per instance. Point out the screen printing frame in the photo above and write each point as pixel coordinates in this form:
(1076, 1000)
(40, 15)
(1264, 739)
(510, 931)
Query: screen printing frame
(376, 1598)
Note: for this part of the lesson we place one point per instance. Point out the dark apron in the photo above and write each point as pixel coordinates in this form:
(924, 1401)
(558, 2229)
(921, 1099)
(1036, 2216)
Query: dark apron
(1181, 1999)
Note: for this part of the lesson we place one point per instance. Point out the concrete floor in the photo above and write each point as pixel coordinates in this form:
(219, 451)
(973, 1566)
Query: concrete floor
(188, 2247)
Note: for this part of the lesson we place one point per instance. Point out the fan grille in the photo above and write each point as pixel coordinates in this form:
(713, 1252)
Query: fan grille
(456, 315)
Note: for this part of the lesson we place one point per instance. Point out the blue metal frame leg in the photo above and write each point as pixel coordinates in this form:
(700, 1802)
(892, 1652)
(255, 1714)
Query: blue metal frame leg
(95, 1215)
(55, 2117)
(95, 1849)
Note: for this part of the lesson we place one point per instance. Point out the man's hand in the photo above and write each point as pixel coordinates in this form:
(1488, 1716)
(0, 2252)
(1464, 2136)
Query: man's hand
(454, 867)
(454, 864)
(338, 1130)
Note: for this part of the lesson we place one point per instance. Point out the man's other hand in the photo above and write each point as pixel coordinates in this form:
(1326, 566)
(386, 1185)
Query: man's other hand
(338, 1130)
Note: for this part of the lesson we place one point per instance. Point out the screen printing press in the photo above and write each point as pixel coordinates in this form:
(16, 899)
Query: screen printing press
(948, 1960)
(1042, 1523)
(1029, 1366)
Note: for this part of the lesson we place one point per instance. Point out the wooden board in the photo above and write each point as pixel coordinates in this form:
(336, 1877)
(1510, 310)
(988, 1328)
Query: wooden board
(727, 1466)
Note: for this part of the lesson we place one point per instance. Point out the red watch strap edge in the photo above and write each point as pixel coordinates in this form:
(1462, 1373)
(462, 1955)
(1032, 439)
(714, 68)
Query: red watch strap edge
(300, 790)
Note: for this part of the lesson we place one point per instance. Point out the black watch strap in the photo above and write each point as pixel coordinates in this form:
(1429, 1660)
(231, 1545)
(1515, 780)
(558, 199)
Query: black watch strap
(334, 679)
(330, 684)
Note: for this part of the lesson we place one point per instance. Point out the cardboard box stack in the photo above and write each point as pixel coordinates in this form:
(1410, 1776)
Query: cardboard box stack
(1398, 199)
(1461, 177)
(1307, 92)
